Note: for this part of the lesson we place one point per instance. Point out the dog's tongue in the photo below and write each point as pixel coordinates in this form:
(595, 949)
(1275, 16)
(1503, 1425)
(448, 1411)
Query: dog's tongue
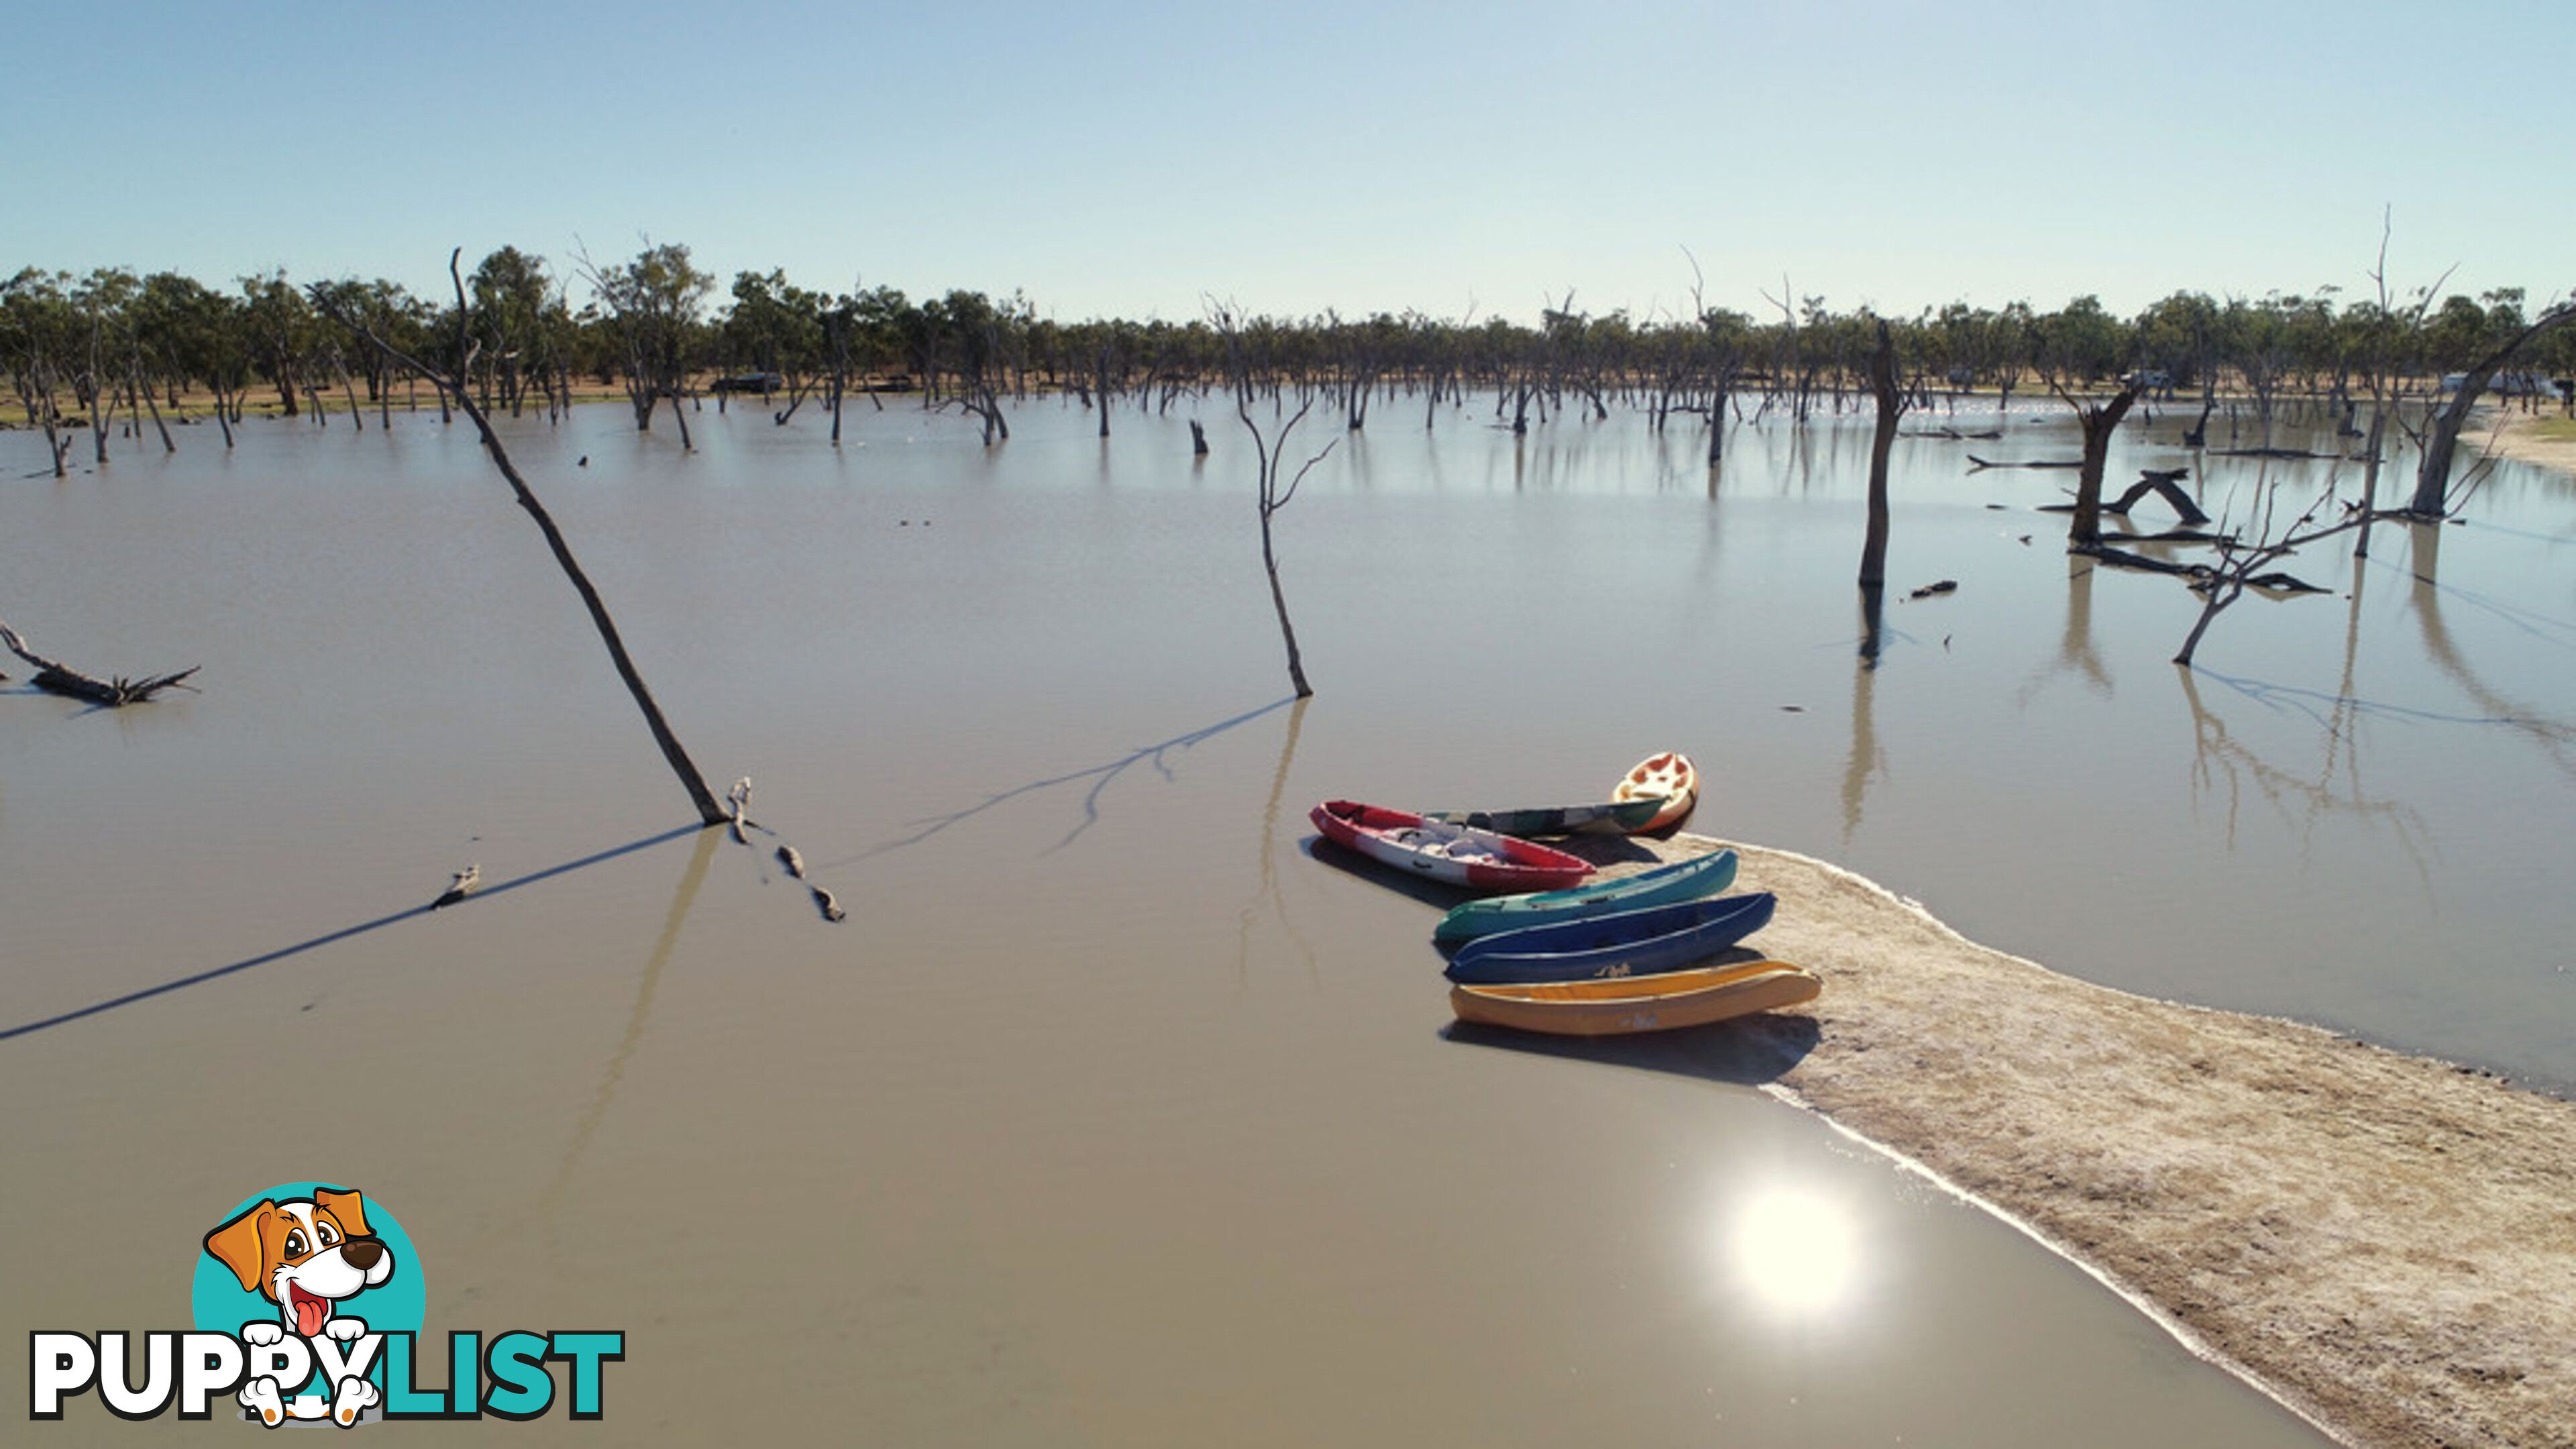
(309, 1313)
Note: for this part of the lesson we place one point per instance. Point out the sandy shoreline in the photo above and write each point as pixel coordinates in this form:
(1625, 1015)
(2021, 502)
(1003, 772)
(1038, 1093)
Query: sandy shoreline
(2385, 1243)
(2513, 433)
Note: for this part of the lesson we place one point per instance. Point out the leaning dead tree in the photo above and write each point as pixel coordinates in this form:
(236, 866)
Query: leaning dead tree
(55, 677)
(2433, 475)
(454, 386)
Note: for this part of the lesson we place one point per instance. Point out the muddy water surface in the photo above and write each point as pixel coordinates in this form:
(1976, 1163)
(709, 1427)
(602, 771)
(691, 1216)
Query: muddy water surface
(1113, 1113)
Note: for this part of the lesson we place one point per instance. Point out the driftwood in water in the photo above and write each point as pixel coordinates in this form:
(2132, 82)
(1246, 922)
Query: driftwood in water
(1953, 434)
(2123, 559)
(2170, 535)
(2280, 453)
(2165, 484)
(2203, 576)
(56, 677)
(2038, 463)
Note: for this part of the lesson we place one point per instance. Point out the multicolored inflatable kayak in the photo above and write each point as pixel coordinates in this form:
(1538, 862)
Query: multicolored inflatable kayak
(1459, 854)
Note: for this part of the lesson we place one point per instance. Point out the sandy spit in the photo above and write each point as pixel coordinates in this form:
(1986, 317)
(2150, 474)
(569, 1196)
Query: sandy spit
(2513, 433)
(2385, 1243)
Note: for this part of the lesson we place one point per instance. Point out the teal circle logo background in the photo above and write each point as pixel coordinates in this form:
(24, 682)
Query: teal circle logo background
(220, 1304)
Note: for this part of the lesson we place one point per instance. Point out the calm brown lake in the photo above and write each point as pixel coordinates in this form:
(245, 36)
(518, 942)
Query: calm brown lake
(1114, 1113)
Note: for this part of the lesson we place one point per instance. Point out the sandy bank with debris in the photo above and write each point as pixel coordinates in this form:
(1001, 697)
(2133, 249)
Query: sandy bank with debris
(2386, 1243)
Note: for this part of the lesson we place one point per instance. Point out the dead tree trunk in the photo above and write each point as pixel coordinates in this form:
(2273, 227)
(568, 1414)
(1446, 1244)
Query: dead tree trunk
(2099, 420)
(167, 446)
(709, 811)
(1274, 498)
(1891, 407)
(2197, 435)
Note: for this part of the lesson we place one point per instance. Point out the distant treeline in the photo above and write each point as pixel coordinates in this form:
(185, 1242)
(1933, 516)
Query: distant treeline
(84, 347)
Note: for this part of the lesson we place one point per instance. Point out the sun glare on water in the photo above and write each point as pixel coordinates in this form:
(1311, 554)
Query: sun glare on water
(1796, 1251)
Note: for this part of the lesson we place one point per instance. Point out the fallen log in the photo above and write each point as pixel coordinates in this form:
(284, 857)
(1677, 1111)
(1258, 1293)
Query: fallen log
(2122, 558)
(2293, 453)
(2037, 463)
(2165, 485)
(2202, 576)
(1953, 434)
(55, 677)
(2170, 535)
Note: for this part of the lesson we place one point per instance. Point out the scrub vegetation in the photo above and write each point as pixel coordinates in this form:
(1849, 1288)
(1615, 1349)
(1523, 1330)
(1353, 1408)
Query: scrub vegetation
(81, 352)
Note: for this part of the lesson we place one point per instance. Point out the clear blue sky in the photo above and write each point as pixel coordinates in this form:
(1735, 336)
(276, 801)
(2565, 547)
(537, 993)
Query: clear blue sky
(1133, 159)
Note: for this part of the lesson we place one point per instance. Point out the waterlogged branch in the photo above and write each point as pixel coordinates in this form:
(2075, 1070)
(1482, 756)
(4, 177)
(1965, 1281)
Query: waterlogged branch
(56, 677)
(2242, 565)
(332, 305)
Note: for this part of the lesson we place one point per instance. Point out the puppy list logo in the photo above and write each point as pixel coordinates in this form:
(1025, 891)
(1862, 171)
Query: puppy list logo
(308, 1301)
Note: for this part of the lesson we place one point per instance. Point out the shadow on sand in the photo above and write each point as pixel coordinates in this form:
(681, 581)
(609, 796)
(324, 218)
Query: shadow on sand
(344, 933)
(1749, 1051)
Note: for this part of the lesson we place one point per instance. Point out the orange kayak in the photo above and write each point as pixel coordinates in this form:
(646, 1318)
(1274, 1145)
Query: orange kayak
(1613, 1006)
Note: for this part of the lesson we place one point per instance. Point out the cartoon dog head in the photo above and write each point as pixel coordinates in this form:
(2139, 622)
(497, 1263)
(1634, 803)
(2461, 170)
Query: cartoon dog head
(305, 1255)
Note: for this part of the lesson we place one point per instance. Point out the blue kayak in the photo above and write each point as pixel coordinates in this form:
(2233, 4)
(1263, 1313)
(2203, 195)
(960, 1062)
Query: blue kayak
(1685, 880)
(1622, 943)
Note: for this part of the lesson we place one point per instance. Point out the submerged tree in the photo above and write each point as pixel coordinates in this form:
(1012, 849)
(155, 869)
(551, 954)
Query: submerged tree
(1891, 407)
(1269, 453)
(2075, 348)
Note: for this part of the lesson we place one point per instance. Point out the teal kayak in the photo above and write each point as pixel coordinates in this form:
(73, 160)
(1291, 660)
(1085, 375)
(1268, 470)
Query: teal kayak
(1620, 817)
(1686, 880)
(1618, 943)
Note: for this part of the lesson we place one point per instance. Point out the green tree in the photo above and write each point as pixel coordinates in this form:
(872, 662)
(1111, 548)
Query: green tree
(39, 335)
(511, 297)
(655, 304)
(279, 325)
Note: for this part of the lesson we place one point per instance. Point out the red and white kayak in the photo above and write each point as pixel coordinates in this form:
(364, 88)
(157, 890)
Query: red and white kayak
(1459, 854)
